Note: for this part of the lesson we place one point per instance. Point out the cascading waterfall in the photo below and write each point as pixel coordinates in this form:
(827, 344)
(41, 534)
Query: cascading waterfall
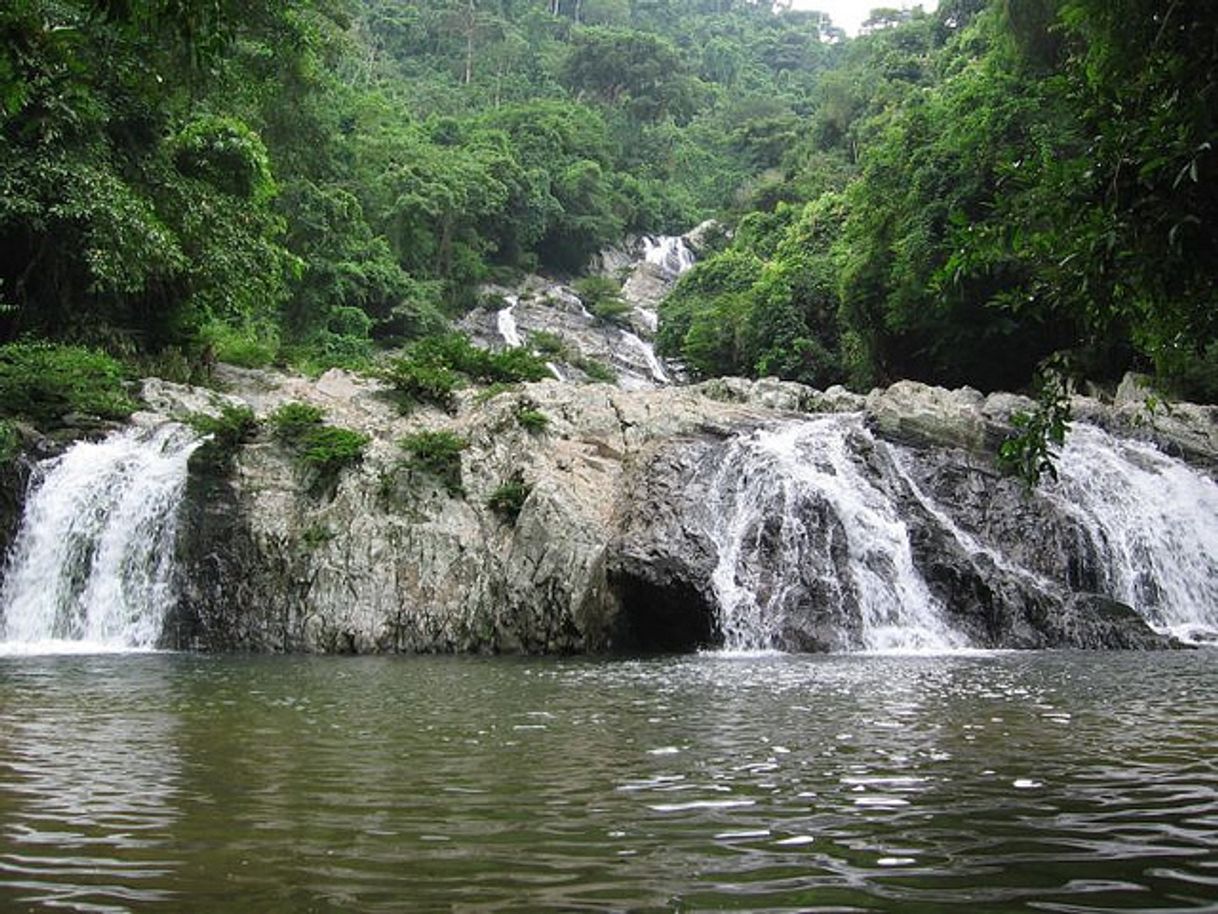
(812, 521)
(797, 522)
(92, 565)
(1154, 521)
(658, 374)
(672, 257)
(505, 320)
(668, 252)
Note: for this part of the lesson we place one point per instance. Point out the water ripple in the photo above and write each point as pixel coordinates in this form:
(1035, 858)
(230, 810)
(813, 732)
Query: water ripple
(1051, 782)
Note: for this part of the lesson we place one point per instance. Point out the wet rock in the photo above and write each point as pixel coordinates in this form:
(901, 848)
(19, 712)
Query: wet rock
(917, 414)
(1095, 622)
(1185, 430)
(390, 561)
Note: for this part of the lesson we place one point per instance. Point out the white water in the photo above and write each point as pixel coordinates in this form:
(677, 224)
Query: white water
(506, 322)
(654, 365)
(966, 540)
(805, 529)
(1155, 522)
(668, 252)
(91, 568)
(798, 525)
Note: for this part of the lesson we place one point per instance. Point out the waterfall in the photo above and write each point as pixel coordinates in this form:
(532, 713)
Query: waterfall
(649, 318)
(801, 527)
(668, 252)
(506, 323)
(1154, 521)
(634, 341)
(92, 564)
(812, 524)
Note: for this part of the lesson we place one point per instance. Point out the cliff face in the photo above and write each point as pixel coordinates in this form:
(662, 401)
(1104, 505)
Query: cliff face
(390, 561)
(618, 544)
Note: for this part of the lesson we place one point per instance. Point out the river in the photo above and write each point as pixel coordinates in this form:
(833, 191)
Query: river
(1064, 782)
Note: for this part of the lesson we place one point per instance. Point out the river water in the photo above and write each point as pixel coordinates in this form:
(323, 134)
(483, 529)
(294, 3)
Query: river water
(1062, 782)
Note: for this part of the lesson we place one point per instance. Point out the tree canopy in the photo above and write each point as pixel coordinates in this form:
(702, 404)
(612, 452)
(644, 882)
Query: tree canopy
(952, 197)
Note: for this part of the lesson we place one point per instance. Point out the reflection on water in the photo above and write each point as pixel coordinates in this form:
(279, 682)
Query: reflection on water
(88, 790)
(1014, 782)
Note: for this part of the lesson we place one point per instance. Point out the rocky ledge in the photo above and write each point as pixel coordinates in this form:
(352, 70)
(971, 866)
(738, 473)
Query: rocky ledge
(609, 546)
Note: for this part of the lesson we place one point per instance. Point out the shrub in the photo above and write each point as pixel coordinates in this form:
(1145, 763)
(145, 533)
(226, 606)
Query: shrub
(293, 420)
(10, 442)
(249, 346)
(415, 382)
(508, 499)
(438, 454)
(1032, 451)
(513, 365)
(323, 451)
(548, 345)
(533, 420)
(603, 297)
(597, 371)
(434, 367)
(328, 449)
(43, 381)
(228, 431)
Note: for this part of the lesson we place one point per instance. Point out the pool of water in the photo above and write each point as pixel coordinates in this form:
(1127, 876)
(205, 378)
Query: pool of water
(996, 782)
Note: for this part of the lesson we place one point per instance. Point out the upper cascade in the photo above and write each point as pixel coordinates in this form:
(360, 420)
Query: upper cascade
(506, 322)
(92, 566)
(647, 268)
(671, 253)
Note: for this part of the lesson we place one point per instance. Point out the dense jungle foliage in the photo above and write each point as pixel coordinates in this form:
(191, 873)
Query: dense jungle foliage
(977, 191)
(952, 196)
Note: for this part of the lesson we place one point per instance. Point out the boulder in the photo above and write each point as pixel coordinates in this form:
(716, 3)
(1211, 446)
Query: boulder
(918, 414)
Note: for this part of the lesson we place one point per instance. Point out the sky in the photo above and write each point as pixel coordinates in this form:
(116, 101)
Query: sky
(849, 14)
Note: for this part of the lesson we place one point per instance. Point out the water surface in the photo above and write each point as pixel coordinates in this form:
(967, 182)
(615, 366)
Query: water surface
(997, 782)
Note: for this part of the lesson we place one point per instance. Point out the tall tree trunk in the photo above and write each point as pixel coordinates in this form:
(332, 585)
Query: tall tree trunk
(471, 26)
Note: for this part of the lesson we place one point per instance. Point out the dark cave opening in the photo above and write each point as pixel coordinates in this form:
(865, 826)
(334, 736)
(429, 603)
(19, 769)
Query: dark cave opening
(662, 618)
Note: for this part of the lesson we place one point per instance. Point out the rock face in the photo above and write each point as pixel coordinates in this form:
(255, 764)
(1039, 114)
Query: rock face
(647, 269)
(390, 561)
(619, 544)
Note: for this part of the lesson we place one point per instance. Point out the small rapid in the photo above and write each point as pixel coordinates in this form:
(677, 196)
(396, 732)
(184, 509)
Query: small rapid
(92, 565)
(647, 351)
(505, 321)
